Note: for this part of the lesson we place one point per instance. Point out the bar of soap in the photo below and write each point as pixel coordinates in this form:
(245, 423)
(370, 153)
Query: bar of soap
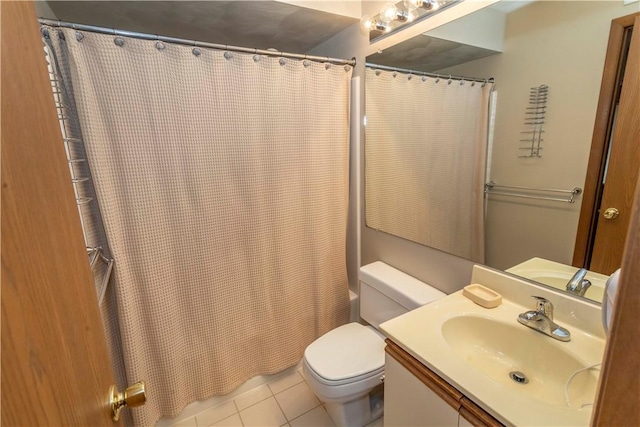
(482, 296)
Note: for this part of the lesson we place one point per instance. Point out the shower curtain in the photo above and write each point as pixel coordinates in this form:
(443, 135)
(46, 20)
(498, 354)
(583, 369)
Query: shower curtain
(222, 182)
(425, 160)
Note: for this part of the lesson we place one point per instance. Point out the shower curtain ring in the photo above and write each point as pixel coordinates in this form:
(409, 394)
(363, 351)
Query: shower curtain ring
(449, 82)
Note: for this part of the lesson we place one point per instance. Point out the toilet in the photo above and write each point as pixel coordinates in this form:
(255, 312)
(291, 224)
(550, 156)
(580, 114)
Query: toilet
(345, 366)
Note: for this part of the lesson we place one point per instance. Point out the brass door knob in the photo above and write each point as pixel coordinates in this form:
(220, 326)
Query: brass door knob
(133, 396)
(611, 213)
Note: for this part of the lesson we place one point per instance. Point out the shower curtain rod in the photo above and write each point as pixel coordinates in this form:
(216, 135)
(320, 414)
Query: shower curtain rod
(145, 36)
(424, 73)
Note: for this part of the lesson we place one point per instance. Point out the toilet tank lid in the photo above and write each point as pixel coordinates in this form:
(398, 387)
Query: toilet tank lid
(408, 291)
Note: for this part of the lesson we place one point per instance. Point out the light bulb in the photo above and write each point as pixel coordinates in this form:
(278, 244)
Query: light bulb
(367, 24)
(388, 13)
(412, 4)
(424, 4)
(430, 4)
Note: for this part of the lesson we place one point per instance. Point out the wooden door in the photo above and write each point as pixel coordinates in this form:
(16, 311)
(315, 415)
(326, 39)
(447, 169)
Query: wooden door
(55, 366)
(618, 399)
(600, 240)
(623, 169)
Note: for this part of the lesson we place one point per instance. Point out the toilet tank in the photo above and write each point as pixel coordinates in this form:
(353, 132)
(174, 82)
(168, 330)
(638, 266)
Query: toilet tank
(386, 293)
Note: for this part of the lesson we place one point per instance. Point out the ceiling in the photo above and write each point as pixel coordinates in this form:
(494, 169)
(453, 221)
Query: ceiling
(426, 53)
(256, 24)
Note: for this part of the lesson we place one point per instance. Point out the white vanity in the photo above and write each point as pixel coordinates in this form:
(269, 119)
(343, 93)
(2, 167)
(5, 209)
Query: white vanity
(456, 363)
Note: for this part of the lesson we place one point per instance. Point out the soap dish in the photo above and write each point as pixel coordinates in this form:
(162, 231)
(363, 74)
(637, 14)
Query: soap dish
(482, 296)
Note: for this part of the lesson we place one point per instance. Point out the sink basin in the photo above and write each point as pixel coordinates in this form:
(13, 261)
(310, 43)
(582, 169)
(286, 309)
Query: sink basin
(476, 349)
(520, 359)
(557, 275)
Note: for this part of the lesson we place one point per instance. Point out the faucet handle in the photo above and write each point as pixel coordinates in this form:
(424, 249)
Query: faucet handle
(544, 306)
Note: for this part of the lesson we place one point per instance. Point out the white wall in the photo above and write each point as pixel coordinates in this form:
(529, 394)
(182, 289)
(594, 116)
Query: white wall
(561, 44)
(484, 28)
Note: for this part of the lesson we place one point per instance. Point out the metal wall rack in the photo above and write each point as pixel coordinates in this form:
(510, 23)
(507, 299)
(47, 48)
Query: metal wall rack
(534, 121)
(68, 141)
(79, 177)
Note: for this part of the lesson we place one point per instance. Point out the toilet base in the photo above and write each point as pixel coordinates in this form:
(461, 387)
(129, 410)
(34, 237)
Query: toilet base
(358, 412)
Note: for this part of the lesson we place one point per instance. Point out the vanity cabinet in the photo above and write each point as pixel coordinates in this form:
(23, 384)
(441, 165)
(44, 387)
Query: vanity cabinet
(417, 396)
(407, 402)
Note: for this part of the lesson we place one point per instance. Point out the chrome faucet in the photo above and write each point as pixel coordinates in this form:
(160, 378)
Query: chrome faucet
(541, 319)
(578, 284)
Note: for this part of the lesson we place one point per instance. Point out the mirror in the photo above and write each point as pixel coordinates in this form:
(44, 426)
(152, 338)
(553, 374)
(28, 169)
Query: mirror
(523, 45)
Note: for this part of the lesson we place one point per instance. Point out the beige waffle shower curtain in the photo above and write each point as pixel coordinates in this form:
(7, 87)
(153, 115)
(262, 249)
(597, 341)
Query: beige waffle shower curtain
(425, 160)
(222, 181)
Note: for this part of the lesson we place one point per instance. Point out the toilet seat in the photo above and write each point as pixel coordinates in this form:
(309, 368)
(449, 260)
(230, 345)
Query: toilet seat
(347, 354)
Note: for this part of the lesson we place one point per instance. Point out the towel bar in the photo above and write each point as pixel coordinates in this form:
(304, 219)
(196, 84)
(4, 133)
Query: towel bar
(488, 189)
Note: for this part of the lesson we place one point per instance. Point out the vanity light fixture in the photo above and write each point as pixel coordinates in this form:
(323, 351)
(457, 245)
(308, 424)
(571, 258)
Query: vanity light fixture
(395, 15)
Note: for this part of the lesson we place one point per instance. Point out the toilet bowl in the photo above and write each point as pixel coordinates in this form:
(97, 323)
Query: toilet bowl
(345, 366)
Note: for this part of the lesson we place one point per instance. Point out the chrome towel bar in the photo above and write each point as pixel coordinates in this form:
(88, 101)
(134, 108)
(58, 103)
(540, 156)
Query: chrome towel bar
(527, 192)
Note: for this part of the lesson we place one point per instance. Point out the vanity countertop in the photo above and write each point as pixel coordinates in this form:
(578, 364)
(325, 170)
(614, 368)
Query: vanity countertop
(475, 349)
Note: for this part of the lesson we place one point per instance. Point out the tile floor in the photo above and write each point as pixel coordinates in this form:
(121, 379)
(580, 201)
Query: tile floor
(286, 401)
